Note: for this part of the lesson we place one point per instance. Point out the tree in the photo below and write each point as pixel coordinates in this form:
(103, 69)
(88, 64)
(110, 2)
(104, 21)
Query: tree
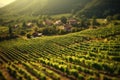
(10, 31)
(1, 21)
(39, 23)
(72, 11)
(22, 33)
(84, 21)
(106, 12)
(49, 30)
(109, 18)
(24, 25)
(36, 29)
(28, 35)
(64, 19)
(116, 17)
(94, 21)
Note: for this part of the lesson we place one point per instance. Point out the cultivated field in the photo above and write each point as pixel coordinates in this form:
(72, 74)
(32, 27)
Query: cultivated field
(92, 54)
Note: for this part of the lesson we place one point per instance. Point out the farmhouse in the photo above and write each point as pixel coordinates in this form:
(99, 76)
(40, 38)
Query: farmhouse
(48, 22)
(36, 34)
(58, 23)
(67, 27)
(29, 25)
(72, 21)
(15, 26)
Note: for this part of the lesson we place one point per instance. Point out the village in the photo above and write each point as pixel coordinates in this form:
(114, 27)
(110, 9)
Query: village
(51, 26)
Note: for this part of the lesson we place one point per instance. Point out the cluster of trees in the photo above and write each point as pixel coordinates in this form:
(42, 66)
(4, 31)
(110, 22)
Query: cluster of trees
(8, 36)
(114, 17)
(55, 31)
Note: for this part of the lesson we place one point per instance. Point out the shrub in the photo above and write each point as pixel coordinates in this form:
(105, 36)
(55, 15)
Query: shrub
(22, 33)
(97, 66)
(64, 20)
(80, 77)
(116, 58)
(116, 17)
(107, 68)
(49, 30)
(67, 71)
(28, 35)
(62, 69)
(91, 78)
(87, 71)
(42, 77)
(109, 18)
(106, 78)
(74, 72)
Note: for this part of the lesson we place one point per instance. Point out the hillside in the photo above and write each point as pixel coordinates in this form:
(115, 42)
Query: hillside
(37, 7)
(91, 54)
(101, 8)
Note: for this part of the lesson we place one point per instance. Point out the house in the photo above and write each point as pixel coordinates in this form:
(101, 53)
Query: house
(72, 21)
(37, 34)
(58, 23)
(29, 25)
(61, 27)
(67, 27)
(48, 22)
(15, 26)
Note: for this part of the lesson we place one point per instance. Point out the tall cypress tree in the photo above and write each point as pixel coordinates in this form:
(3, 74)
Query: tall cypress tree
(10, 31)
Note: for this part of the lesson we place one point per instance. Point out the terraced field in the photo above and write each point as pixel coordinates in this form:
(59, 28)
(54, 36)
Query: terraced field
(92, 54)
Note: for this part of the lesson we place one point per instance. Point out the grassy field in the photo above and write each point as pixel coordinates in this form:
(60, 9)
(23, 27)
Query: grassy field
(3, 30)
(92, 54)
(61, 15)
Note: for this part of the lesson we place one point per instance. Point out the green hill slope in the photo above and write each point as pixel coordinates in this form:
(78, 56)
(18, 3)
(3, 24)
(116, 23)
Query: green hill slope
(90, 54)
(101, 8)
(37, 7)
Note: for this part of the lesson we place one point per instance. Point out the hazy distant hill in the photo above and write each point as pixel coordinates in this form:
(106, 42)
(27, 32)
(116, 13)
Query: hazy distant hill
(99, 8)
